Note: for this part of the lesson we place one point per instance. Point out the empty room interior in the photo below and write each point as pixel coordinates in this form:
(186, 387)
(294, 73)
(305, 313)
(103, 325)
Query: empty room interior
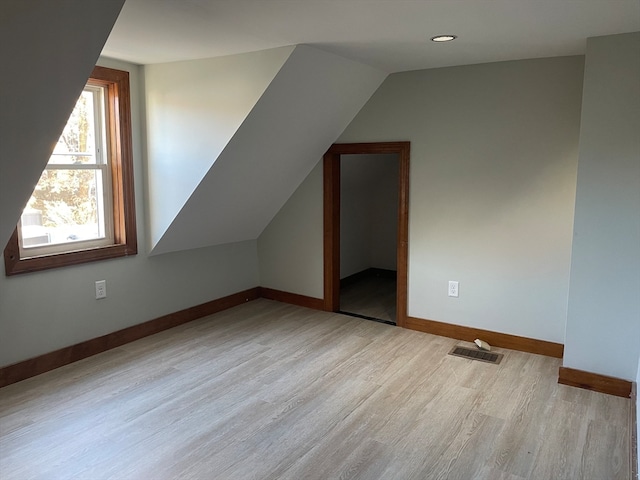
(258, 258)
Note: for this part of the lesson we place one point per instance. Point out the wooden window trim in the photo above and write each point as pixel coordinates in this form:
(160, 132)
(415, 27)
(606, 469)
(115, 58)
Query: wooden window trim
(118, 105)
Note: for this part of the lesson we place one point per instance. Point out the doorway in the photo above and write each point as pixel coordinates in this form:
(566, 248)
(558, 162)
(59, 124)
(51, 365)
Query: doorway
(368, 236)
(332, 183)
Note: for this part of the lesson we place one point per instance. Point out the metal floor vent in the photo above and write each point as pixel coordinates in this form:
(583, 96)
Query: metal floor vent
(475, 354)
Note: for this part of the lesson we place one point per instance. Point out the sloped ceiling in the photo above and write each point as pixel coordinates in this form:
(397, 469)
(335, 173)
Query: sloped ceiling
(193, 110)
(47, 50)
(309, 102)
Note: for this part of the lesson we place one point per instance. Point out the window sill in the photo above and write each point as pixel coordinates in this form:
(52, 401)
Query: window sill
(14, 265)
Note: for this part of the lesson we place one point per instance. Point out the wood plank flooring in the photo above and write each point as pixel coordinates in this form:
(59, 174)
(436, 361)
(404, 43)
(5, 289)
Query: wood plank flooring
(273, 391)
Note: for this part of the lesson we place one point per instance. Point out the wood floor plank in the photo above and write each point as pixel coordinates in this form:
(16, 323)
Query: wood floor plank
(567, 428)
(273, 391)
(489, 473)
(467, 451)
(604, 454)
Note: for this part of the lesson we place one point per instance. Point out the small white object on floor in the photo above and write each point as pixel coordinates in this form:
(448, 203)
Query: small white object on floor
(482, 345)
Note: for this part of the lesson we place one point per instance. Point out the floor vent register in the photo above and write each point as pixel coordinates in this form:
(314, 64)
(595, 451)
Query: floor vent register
(475, 354)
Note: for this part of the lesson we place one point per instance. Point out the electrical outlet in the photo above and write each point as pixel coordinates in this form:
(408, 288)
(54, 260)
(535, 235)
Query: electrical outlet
(101, 289)
(453, 288)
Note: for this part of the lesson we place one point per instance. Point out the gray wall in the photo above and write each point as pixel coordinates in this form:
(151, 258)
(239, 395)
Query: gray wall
(603, 323)
(368, 212)
(492, 185)
(41, 312)
(494, 151)
(290, 248)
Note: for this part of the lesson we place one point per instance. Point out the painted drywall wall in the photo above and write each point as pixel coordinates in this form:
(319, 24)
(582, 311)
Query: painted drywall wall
(41, 312)
(193, 109)
(384, 225)
(492, 189)
(290, 248)
(492, 185)
(355, 219)
(309, 102)
(368, 212)
(603, 321)
(59, 43)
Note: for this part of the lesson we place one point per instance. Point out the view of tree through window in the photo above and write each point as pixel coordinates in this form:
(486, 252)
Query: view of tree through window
(68, 202)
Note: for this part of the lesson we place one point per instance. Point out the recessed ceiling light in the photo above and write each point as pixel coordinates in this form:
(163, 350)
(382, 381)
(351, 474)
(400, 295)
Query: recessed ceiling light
(443, 38)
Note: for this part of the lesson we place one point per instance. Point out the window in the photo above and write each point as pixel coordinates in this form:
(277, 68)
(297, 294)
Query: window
(82, 209)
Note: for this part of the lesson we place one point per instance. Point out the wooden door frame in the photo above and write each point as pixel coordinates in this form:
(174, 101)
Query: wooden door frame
(331, 205)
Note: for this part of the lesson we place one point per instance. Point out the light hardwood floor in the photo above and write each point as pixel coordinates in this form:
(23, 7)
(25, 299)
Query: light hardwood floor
(273, 391)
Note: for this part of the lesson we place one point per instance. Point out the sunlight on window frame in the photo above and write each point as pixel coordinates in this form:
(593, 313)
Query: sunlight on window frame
(122, 238)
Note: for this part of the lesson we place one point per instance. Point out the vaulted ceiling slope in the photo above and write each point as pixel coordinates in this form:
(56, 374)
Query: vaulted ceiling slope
(59, 44)
(221, 167)
(193, 110)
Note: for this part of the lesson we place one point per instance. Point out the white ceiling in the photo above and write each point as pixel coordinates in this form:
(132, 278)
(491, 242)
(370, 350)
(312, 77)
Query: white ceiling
(392, 35)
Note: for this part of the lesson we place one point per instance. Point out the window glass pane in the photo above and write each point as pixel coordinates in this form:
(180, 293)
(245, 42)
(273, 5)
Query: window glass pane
(66, 206)
(77, 144)
(68, 159)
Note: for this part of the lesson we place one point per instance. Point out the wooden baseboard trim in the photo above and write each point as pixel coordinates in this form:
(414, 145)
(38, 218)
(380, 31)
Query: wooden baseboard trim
(633, 457)
(50, 361)
(595, 381)
(292, 298)
(503, 340)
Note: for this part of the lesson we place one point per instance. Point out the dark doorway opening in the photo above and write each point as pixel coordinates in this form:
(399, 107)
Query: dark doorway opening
(368, 235)
(332, 182)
